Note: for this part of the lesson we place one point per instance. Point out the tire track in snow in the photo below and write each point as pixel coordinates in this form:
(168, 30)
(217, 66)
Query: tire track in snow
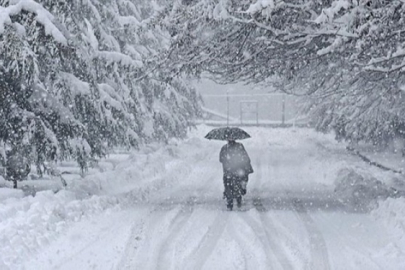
(206, 246)
(258, 229)
(262, 235)
(135, 243)
(265, 228)
(149, 254)
(141, 251)
(319, 258)
(209, 240)
(268, 228)
(318, 248)
(73, 255)
(182, 218)
(236, 235)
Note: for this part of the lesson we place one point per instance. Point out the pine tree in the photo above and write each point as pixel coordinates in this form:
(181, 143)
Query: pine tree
(80, 77)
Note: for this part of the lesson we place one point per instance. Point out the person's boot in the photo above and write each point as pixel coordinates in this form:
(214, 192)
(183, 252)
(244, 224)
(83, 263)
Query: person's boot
(229, 205)
(239, 202)
(243, 185)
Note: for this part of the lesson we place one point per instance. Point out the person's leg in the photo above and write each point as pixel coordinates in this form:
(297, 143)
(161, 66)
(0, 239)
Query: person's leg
(239, 201)
(243, 184)
(225, 184)
(238, 190)
(228, 191)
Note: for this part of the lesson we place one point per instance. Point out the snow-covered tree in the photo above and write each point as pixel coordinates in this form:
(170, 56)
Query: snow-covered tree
(78, 77)
(359, 87)
(33, 112)
(345, 56)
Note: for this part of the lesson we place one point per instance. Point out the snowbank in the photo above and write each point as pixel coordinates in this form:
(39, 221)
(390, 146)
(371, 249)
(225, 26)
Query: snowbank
(149, 169)
(360, 188)
(6, 193)
(29, 223)
(391, 213)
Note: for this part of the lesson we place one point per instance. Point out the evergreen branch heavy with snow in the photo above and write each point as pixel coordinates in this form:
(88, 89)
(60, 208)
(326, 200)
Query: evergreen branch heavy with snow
(346, 57)
(74, 78)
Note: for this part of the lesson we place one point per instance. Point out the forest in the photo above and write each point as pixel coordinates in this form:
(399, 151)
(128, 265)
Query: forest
(78, 78)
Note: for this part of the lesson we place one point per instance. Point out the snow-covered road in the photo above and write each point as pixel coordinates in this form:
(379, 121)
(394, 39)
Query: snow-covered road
(175, 218)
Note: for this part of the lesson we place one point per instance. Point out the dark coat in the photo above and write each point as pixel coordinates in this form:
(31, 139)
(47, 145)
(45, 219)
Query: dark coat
(235, 160)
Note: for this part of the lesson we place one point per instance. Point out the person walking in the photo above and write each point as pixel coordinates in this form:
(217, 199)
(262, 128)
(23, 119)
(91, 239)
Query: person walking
(236, 167)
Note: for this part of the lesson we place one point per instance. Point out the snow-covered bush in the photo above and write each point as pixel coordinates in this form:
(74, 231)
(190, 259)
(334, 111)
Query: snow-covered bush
(359, 189)
(32, 222)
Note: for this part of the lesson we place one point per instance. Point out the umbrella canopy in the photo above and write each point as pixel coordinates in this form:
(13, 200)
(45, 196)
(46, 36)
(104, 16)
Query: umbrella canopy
(227, 133)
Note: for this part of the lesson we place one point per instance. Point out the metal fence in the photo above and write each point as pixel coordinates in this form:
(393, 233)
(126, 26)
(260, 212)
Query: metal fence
(251, 109)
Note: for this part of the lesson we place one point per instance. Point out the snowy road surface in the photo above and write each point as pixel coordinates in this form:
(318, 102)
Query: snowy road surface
(173, 216)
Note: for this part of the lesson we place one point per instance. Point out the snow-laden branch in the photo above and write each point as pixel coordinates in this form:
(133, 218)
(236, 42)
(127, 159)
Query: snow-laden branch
(328, 14)
(394, 68)
(398, 54)
(117, 57)
(128, 20)
(43, 17)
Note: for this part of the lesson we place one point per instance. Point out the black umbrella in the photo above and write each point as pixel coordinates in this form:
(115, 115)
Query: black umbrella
(227, 133)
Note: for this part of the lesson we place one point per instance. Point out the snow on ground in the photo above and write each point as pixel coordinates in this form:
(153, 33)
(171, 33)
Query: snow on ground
(389, 155)
(392, 214)
(310, 205)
